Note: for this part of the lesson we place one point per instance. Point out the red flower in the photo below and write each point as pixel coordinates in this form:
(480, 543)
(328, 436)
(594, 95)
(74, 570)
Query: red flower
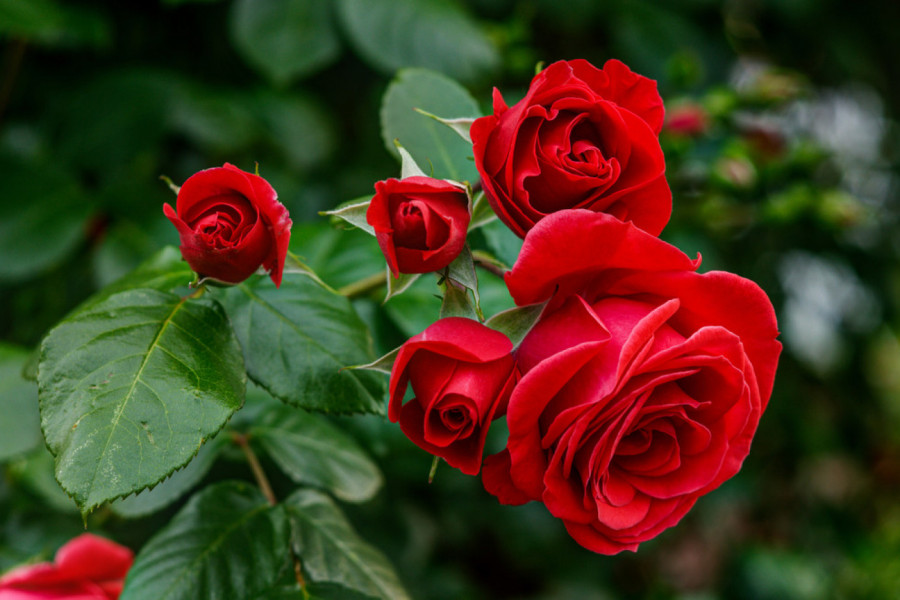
(687, 120)
(420, 223)
(581, 137)
(461, 373)
(85, 568)
(643, 382)
(231, 223)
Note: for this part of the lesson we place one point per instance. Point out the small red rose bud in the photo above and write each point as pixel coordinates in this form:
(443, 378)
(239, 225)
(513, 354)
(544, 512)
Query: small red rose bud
(420, 222)
(231, 223)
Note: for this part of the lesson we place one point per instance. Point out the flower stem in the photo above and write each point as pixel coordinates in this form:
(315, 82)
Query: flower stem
(364, 286)
(261, 480)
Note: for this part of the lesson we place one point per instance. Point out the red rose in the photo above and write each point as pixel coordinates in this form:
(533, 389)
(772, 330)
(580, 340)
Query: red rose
(642, 383)
(420, 223)
(461, 373)
(231, 223)
(581, 137)
(85, 568)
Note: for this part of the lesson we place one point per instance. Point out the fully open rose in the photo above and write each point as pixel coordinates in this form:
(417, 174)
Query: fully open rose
(231, 223)
(582, 137)
(420, 222)
(86, 568)
(461, 373)
(643, 382)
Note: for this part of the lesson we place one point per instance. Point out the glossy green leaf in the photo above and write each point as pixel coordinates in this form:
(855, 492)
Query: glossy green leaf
(131, 387)
(311, 450)
(226, 543)
(331, 551)
(43, 218)
(433, 145)
(174, 487)
(285, 39)
(298, 338)
(20, 426)
(435, 34)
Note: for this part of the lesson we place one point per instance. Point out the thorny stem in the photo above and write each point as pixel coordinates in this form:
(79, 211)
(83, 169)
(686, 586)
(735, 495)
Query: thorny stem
(364, 285)
(262, 481)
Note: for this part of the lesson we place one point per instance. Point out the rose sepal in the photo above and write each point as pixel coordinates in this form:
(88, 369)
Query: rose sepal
(460, 125)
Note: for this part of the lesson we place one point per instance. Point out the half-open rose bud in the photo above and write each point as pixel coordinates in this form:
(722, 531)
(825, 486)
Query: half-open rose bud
(231, 223)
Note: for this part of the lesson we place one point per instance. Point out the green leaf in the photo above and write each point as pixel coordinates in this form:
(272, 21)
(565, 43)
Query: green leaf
(312, 451)
(20, 426)
(482, 213)
(460, 126)
(48, 23)
(408, 165)
(456, 302)
(169, 490)
(340, 257)
(515, 323)
(416, 309)
(381, 365)
(165, 271)
(226, 543)
(330, 550)
(428, 141)
(401, 283)
(300, 128)
(353, 212)
(131, 387)
(34, 471)
(462, 271)
(42, 221)
(285, 39)
(435, 34)
(297, 339)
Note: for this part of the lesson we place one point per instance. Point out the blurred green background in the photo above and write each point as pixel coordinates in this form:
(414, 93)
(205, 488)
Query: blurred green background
(789, 177)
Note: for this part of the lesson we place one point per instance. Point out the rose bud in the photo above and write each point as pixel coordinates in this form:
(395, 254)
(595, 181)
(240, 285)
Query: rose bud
(87, 567)
(687, 120)
(231, 223)
(420, 223)
(643, 382)
(582, 137)
(462, 374)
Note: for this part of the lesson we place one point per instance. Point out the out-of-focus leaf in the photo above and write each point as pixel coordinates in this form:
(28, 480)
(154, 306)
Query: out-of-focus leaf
(432, 144)
(20, 425)
(340, 257)
(314, 591)
(301, 130)
(298, 338)
(48, 23)
(226, 543)
(285, 39)
(504, 244)
(312, 451)
(112, 120)
(173, 488)
(34, 472)
(43, 217)
(131, 387)
(435, 34)
(331, 551)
